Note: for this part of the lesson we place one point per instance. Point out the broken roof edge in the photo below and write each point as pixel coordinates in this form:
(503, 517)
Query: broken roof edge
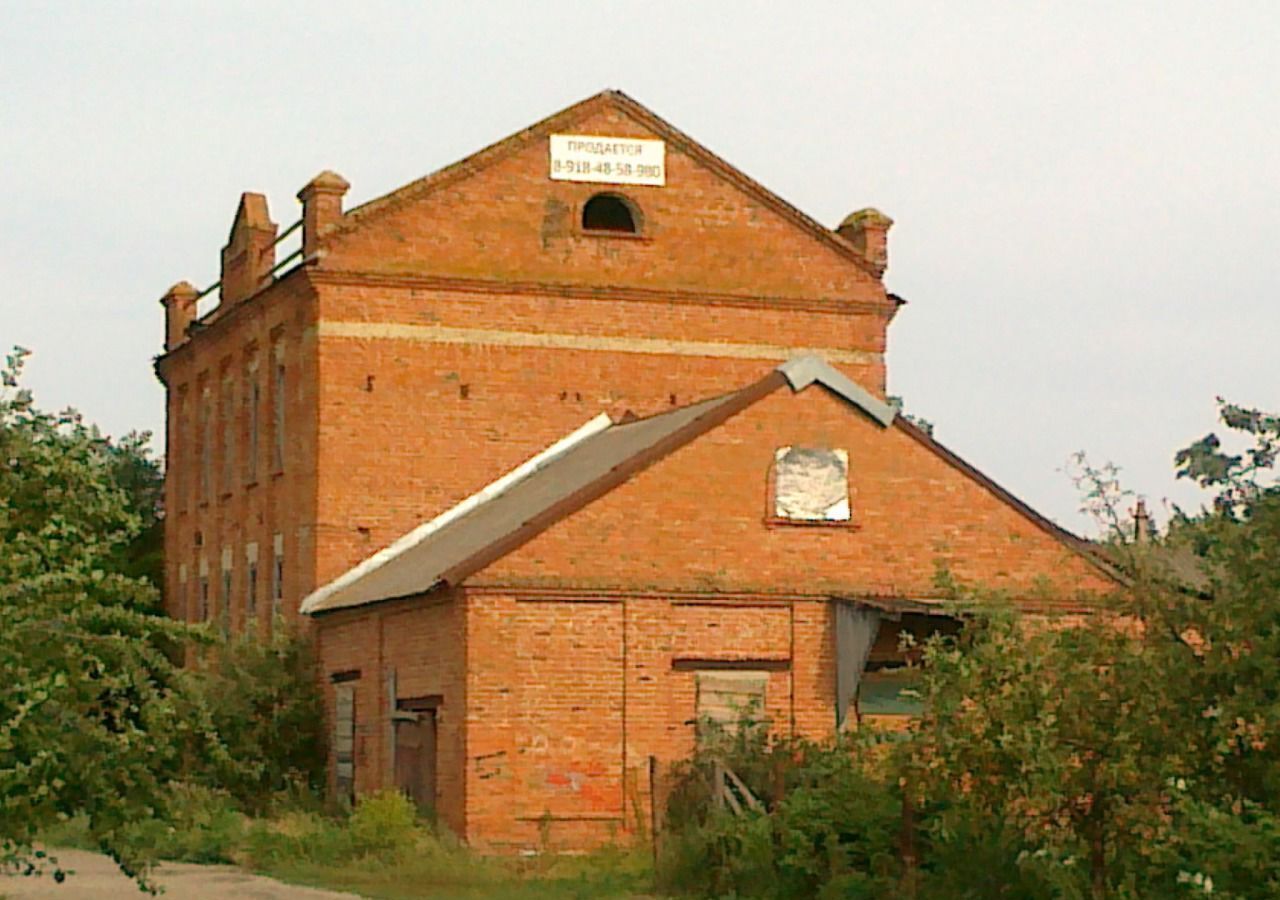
(802, 371)
(313, 601)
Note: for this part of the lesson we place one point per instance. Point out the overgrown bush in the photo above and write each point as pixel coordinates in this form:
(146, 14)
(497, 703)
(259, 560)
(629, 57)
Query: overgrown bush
(382, 826)
(198, 825)
(827, 828)
(263, 702)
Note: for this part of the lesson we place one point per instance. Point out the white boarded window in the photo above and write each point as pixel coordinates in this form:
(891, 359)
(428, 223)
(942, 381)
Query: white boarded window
(811, 484)
(727, 697)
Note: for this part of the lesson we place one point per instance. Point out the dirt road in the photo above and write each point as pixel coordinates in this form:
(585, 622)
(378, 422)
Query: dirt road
(97, 878)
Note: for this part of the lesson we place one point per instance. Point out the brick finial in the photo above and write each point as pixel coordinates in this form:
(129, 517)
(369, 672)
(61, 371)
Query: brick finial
(868, 231)
(250, 254)
(321, 207)
(179, 304)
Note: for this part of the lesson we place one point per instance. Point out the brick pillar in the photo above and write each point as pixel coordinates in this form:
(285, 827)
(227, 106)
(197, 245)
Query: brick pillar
(179, 304)
(321, 208)
(868, 231)
(250, 253)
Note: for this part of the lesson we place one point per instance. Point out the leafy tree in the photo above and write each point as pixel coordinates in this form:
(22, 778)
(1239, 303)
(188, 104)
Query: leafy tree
(92, 721)
(262, 700)
(1137, 752)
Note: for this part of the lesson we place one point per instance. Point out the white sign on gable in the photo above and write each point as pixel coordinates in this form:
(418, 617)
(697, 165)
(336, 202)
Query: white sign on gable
(608, 160)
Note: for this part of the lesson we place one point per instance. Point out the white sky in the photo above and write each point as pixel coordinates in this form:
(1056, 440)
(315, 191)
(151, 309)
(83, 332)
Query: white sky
(1087, 195)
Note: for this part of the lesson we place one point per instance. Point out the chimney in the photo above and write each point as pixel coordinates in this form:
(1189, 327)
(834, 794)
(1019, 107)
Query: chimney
(321, 208)
(1141, 523)
(868, 231)
(179, 304)
(250, 253)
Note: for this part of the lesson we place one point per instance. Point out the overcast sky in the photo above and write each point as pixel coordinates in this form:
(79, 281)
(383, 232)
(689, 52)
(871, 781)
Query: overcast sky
(1087, 195)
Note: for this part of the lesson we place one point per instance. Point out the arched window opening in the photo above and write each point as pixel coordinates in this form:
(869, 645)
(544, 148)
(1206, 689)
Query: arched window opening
(609, 212)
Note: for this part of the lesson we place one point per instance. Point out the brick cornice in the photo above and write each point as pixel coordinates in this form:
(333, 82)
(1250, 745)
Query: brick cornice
(780, 600)
(321, 275)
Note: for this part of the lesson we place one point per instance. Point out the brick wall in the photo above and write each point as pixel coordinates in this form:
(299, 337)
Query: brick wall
(243, 503)
(700, 520)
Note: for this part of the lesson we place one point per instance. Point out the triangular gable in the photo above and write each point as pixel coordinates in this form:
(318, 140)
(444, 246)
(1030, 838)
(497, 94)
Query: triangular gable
(565, 119)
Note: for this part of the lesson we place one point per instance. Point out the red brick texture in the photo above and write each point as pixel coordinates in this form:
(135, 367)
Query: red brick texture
(436, 338)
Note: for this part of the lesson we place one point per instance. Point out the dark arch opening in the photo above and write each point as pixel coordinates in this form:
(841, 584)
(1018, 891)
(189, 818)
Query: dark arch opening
(609, 212)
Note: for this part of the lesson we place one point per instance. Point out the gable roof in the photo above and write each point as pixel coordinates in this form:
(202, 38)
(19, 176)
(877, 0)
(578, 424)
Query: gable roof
(566, 118)
(584, 466)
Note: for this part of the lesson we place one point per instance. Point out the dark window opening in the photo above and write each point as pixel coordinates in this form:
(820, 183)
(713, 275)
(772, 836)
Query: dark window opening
(607, 212)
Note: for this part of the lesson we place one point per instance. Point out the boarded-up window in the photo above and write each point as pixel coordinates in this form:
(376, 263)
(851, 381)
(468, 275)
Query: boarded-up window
(811, 484)
(728, 698)
(344, 739)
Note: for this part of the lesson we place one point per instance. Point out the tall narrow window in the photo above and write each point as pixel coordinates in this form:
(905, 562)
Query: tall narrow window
(277, 407)
(177, 471)
(228, 432)
(203, 592)
(253, 400)
(225, 609)
(206, 443)
(344, 739)
(251, 580)
(277, 574)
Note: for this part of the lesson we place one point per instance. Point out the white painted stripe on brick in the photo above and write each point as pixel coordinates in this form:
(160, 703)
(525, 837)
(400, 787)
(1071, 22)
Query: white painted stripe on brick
(443, 334)
(594, 426)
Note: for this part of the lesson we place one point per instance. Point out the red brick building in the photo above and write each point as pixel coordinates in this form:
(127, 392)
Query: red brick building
(540, 606)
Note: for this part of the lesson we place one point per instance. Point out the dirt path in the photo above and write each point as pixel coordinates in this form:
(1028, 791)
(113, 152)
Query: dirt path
(97, 878)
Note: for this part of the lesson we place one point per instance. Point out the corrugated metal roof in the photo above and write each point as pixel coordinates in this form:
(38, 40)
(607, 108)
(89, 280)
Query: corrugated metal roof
(468, 541)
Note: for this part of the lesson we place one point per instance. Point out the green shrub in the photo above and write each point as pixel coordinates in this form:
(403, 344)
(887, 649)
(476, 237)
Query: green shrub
(196, 825)
(262, 700)
(828, 828)
(383, 824)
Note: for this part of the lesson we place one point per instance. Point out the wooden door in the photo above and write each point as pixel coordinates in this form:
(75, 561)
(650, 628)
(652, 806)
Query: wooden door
(416, 758)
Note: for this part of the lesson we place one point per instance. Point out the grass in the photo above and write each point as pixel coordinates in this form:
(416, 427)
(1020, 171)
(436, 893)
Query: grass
(609, 875)
(380, 851)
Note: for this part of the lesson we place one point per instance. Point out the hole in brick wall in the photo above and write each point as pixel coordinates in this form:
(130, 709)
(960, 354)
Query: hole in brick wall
(199, 539)
(610, 212)
(464, 391)
(673, 399)
(564, 395)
